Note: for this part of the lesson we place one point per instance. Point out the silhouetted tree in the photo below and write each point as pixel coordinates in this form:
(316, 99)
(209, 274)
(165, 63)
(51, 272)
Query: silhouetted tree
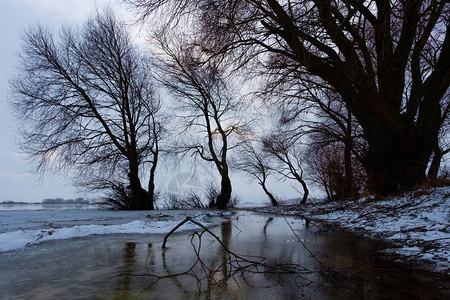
(206, 106)
(326, 167)
(288, 155)
(255, 163)
(87, 103)
(318, 114)
(388, 60)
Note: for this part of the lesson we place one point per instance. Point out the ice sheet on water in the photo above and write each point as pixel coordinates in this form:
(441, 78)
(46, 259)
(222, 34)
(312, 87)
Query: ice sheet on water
(24, 228)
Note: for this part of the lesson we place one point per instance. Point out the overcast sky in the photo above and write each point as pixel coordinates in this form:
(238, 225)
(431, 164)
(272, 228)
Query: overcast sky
(15, 17)
(15, 183)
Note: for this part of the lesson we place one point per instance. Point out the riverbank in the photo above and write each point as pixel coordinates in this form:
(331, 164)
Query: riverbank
(416, 224)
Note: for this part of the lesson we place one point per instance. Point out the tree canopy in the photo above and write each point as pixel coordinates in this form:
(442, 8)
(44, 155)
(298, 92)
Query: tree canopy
(388, 60)
(88, 104)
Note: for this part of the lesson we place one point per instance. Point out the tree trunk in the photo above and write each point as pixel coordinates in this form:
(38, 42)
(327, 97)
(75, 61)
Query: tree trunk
(138, 194)
(349, 190)
(329, 196)
(150, 200)
(299, 178)
(225, 192)
(436, 162)
(273, 201)
(395, 161)
(434, 167)
(305, 191)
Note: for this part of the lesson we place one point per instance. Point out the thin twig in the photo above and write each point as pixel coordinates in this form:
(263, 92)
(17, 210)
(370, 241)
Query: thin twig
(240, 257)
(303, 244)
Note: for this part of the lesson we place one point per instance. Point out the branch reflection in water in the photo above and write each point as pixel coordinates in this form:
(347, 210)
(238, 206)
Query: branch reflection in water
(227, 272)
(278, 258)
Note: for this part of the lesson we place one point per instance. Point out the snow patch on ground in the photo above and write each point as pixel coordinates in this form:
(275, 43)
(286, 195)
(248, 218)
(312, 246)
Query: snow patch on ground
(42, 226)
(417, 223)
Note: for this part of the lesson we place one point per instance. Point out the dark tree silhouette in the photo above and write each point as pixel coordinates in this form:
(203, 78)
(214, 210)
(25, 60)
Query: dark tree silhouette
(206, 106)
(318, 115)
(87, 104)
(388, 60)
(288, 155)
(255, 163)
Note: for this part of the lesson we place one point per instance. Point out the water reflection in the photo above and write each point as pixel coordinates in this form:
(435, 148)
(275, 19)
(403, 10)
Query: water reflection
(225, 228)
(104, 267)
(270, 219)
(124, 279)
(150, 255)
(208, 273)
(352, 277)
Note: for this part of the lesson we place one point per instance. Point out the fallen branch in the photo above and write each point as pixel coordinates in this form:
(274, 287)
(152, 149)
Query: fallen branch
(175, 228)
(285, 268)
(233, 266)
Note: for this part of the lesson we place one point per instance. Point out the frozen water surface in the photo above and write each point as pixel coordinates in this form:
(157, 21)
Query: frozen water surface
(19, 229)
(118, 265)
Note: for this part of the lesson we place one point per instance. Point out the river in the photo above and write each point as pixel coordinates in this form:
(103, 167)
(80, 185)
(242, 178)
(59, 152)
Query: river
(328, 264)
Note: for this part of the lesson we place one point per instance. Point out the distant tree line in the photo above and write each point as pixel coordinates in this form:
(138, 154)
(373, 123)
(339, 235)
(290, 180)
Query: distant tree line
(15, 202)
(357, 95)
(65, 201)
(52, 201)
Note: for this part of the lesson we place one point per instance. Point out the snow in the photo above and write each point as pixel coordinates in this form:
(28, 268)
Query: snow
(417, 223)
(19, 229)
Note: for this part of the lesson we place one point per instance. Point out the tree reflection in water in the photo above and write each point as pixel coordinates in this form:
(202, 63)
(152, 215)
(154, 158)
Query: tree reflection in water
(106, 267)
(272, 267)
(123, 282)
(222, 274)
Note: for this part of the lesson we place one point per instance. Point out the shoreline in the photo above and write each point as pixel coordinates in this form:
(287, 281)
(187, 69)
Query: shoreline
(415, 226)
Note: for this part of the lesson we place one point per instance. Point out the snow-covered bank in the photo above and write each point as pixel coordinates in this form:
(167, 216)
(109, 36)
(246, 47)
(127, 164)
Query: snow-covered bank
(418, 223)
(19, 229)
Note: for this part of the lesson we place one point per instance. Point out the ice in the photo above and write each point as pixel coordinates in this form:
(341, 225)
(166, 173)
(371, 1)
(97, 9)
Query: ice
(22, 228)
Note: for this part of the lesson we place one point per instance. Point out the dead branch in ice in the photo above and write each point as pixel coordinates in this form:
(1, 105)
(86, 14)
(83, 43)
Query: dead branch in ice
(237, 260)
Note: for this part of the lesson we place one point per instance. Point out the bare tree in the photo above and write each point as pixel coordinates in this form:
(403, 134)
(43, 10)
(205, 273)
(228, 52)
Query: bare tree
(206, 106)
(255, 163)
(319, 113)
(289, 156)
(87, 104)
(335, 145)
(388, 60)
(326, 167)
